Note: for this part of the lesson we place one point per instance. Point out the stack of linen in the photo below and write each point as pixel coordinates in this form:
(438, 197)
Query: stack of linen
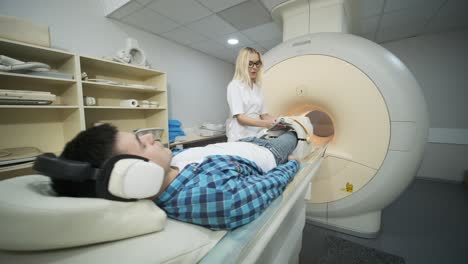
(211, 130)
(175, 130)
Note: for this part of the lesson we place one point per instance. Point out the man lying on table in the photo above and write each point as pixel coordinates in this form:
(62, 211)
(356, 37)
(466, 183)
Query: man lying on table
(219, 186)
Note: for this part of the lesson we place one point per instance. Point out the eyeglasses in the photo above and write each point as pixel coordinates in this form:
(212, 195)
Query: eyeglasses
(256, 63)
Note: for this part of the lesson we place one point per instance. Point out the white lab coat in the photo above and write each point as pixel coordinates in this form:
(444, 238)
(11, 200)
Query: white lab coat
(243, 100)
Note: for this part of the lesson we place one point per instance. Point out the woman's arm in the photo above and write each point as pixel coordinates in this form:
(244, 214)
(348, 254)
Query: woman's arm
(249, 121)
(267, 117)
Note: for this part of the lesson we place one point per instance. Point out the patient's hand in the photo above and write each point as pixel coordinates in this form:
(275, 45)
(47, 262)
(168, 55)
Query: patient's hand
(277, 125)
(292, 157)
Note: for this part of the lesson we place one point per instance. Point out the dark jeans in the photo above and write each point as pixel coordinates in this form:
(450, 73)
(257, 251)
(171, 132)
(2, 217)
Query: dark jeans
(281, 146)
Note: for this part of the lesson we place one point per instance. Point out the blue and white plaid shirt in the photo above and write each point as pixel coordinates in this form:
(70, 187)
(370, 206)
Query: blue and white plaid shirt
(224, 192)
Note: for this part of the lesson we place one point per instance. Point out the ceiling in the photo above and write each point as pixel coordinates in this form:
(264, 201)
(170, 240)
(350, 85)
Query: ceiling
(205, 25)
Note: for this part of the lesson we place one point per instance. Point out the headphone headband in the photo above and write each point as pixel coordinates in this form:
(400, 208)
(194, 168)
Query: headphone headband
(62, 169)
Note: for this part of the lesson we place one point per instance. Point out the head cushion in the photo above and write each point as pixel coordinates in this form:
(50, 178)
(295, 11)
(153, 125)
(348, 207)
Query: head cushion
(33, 218)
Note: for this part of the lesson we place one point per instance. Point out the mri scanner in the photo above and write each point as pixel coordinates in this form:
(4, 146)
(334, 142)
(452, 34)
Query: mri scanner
(376, 129)
(365, 105)
(370, 126)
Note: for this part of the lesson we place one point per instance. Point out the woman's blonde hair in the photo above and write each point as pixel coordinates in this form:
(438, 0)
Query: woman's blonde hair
(242, 67)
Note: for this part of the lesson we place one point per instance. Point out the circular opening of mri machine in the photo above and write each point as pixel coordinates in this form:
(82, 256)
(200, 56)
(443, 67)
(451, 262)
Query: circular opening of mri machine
(323, 125)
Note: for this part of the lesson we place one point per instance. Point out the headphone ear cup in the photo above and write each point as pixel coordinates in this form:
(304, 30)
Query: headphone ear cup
(135, 179)
(129, 177)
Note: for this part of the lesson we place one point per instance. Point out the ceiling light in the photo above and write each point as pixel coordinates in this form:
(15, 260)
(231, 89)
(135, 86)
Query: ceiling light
(232, 41)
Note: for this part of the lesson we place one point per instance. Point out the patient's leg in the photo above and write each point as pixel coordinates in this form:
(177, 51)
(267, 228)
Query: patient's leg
(280, 146)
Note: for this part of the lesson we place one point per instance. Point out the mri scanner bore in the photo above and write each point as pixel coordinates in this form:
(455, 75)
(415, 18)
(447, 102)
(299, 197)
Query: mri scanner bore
(367, 107)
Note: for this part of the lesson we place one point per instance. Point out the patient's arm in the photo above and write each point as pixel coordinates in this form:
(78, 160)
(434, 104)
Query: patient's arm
(284, 173)
(258, 192)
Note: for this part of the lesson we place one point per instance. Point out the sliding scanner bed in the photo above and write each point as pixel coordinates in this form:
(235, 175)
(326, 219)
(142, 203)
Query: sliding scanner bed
(303, 128)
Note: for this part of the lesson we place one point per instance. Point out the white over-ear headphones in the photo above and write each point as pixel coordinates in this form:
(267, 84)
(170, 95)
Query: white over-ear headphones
(122, 177)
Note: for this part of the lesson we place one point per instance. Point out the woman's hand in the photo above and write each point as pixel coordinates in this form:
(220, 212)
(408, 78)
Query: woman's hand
(269, 123)
(269, 120)
(249, 121)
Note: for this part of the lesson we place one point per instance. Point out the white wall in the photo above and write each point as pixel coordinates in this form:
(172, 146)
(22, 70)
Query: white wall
(196, 82)
(440, 64)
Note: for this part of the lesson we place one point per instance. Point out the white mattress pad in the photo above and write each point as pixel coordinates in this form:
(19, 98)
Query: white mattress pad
(178, 243)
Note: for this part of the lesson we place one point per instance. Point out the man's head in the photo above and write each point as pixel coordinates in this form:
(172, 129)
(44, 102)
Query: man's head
(97, 144)
(143, 146)
(94, 145)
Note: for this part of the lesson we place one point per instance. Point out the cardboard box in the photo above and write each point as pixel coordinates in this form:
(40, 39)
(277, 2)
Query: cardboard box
(21, 30)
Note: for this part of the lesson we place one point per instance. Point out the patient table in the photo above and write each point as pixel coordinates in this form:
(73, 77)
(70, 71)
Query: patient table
(274, 237)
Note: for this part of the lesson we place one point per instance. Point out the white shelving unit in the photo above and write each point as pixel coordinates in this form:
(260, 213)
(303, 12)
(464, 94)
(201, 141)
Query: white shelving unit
(49, 127)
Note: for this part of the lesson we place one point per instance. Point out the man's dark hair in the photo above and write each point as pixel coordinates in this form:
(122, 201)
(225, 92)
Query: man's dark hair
(94, 145)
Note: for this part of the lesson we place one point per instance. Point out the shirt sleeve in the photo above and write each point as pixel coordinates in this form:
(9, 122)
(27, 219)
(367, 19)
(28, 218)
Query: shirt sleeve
(234, 98)
(283, 174)
(258, 191)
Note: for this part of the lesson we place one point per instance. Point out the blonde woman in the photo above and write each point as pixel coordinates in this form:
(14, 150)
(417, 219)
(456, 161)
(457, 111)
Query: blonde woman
(245, 98)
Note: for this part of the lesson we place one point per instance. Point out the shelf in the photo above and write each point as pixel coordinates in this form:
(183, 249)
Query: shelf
(33, 52)
(117, 68)
(46, 128)
(66, 91)
(33, 79)
(96, 85)
(58, 60)
(40, 106)
(124, 108)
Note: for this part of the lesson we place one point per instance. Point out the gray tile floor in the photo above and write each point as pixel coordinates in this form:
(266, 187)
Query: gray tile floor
(427, 224)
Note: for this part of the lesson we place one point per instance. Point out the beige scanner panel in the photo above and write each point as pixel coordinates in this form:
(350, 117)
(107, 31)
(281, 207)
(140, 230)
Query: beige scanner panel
(356, 108)
(338, 178)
